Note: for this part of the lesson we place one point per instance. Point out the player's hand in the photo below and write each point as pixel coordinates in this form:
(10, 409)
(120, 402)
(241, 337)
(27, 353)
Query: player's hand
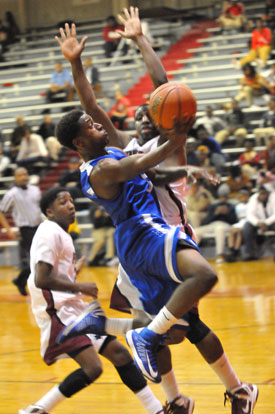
(178, 134)
(89, 289)
(198, 172)
(80, 263)
(70, 46)
(131, 22)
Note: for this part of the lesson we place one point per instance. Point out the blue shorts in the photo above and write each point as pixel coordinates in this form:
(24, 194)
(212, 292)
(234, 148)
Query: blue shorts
(146, 248)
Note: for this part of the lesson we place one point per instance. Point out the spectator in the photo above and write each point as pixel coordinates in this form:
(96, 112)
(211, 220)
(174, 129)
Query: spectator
(267, 125)
(260, 218)
(269, 152)
(260, 46)
(266, 177)
(252, 84)
(47, 132)
(270, 77)
(249, 160)
(61, 85)
(120, 111)
(112, 38)
(216, 157)
(235, 125)
(198, 200)
(232, 16)
(4, 38)
(237, 180)
(103, 235)
(70, 178)
(16, 137)
(4, 162)
(32, 149)
(191, 154)
(23, 202)
(211, 123)
(221, 215)
(92, 75)
(235, 235)
(12, 27)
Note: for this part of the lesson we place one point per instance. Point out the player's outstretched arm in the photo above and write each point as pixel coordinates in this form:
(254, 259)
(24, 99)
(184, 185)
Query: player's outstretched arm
(162, 176)
(45, 280)
(133, 30)
(72, 50)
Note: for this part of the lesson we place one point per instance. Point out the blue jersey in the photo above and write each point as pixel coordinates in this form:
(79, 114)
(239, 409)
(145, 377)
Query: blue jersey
(146, 245)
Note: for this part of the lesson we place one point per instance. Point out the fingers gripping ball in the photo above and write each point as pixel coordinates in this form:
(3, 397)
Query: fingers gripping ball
(172, 102)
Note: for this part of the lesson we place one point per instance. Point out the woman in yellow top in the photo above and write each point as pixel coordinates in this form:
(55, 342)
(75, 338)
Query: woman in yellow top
(252, 84)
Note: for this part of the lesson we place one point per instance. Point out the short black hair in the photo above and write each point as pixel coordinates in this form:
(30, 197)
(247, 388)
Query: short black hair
(249, 66)
(144, 106)
(68, 128)
(49, 197)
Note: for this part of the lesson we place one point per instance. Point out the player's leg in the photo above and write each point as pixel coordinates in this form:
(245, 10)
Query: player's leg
(177, 403)
(120, 357)
(241, 395)
(196, 278)
(90, 369)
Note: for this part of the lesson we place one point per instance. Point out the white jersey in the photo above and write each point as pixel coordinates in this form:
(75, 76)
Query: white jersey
(53, 309)
(170, 197)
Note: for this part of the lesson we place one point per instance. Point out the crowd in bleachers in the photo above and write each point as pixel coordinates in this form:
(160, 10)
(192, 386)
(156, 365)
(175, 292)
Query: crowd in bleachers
(233, 137)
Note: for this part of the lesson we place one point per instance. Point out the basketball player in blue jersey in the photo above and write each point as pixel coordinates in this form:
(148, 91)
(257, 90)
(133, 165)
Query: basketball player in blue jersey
(216, 358)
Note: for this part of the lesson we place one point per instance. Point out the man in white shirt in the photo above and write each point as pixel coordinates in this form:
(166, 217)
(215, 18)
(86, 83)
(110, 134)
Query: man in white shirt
(32, 149)
(211, 123)
(23, 202)
(260, 218)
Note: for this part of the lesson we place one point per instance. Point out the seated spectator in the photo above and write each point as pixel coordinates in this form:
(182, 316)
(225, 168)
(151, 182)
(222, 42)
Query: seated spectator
(103, 235)
(4, 163)
(266, 177)
(70, 178)
(221, 215)
(232, 16)
(269, 152)
(61, 85)
(92, 75)
(249, 160)
(235, 125)
(47, 132)
(191, 154)
(267, 125)
(12, 27)
(120, 111)
(32, 149)
(111, 38)
(237, 180)
(260, 218)
(216, 156)
(211, 123)
(270, 77)
(260, 46)
(16, 137)
(235, 235)
(252, 85)
(198, 200)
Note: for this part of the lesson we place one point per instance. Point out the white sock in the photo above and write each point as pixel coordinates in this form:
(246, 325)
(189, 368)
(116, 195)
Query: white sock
(118, 326)
(163, 321)
(170, 386)
(148, 400)
(226, 373)
(51, 399)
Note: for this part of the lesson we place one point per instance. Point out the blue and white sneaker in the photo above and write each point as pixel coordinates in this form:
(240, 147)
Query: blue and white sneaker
(91, 320)
(144, 343)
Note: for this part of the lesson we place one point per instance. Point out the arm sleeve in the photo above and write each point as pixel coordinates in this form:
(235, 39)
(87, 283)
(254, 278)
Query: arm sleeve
(252, 211)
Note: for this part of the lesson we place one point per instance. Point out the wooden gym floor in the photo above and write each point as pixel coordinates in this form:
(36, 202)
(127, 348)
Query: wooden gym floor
(240, 310)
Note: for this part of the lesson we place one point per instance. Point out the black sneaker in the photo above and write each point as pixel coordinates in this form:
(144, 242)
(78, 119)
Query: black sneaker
(20, 287)
(243, 398)
(186, 408)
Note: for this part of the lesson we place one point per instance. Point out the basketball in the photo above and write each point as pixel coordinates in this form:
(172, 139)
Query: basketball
(172, 101)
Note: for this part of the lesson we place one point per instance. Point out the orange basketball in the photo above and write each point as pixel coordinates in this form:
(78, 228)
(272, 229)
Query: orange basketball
(170, 101)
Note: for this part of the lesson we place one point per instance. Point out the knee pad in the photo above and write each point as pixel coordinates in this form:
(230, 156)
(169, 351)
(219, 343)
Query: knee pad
(197, 330)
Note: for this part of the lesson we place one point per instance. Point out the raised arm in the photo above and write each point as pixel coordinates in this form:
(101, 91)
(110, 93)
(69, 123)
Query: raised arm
(133, 30)
(72, 50)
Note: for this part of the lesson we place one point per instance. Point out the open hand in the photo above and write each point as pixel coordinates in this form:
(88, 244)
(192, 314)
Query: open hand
(89, 289)
(70, 46)
(131, 22)
(179, 131)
